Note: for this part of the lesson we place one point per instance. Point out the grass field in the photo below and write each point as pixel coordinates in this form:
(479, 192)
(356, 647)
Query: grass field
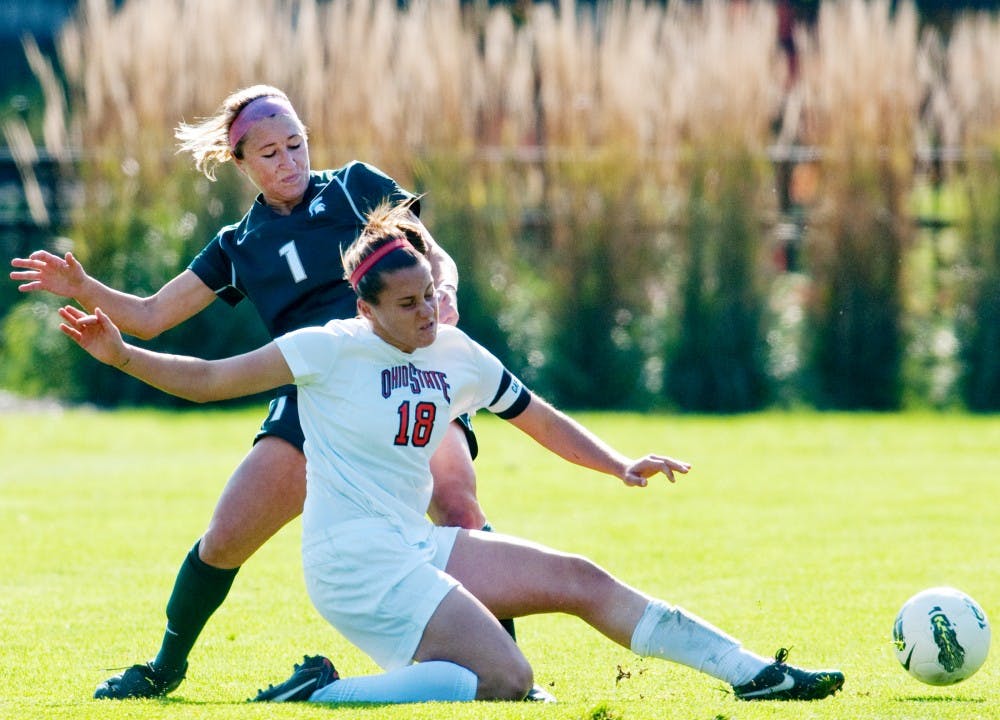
(799, 530)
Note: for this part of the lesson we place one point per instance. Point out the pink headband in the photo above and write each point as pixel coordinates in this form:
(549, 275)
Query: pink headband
(257, 109)
(368, 262)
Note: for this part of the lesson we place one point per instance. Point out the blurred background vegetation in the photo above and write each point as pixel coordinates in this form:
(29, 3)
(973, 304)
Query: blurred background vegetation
(705, 206)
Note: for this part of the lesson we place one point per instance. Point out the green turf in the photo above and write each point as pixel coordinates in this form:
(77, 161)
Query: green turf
(805, 530)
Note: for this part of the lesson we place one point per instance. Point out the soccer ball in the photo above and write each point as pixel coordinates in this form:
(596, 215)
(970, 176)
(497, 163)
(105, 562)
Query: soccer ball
(941, 636)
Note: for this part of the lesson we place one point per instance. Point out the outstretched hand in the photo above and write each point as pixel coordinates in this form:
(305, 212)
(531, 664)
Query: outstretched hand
(96, 334)
(639, 472)
(63, 276)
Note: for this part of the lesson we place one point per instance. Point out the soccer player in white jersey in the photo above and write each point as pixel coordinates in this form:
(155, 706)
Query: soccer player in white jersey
(376, 394)
(284, 257)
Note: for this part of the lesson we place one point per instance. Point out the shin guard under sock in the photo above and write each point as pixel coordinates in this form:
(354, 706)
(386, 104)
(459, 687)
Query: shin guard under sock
(671, 633)
(198, 592)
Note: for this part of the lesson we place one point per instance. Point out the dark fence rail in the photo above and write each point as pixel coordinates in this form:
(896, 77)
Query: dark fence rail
(36, 201)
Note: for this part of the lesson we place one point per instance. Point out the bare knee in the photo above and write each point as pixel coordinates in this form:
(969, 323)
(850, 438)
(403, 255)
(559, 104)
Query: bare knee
(584, 585)
(506, 681)
(236, 533)
(225, 544)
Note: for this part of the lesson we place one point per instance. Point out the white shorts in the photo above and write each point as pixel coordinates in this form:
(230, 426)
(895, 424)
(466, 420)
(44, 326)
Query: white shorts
(378, 588)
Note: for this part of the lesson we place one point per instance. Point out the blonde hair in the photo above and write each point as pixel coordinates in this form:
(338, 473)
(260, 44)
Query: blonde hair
(387, 222)
(208, 139)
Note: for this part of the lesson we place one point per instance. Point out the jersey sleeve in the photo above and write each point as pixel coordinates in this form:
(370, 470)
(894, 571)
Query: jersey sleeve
(367, 186)
(310, 352)
(500, 391)
(214, 268)
(511, 397)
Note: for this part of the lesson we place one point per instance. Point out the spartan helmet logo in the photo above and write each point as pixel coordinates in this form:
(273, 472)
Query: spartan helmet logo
(951, 655)
(317, 206)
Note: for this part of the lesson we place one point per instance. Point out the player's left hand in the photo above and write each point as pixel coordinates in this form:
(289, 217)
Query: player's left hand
(447, 304)
(638, 473)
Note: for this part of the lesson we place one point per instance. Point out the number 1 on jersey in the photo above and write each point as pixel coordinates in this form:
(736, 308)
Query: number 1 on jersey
(291, 255)
(423, 424)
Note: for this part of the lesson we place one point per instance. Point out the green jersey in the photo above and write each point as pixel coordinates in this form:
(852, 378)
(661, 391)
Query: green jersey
(289, 266)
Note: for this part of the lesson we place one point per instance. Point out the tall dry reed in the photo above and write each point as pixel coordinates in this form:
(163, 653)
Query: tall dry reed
(727, 67)
(600, 170)
(860, 102)
(367, 77)
(976, 95)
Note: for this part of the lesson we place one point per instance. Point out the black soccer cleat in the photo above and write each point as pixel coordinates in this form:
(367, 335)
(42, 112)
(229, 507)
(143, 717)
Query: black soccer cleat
(140, 681)
(314, 673)
(779, 681)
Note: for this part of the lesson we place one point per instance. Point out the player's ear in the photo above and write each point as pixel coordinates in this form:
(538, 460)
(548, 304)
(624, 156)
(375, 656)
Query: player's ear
(364, 309)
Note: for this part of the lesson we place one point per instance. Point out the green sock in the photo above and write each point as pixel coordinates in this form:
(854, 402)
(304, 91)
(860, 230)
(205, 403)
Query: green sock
(198, 592)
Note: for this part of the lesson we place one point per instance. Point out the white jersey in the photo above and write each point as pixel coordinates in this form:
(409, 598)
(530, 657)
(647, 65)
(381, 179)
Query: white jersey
(373, 415)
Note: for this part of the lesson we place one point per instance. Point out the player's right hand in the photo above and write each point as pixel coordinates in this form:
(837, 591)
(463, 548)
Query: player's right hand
(63, 276)
(96, 334)
(447, 305)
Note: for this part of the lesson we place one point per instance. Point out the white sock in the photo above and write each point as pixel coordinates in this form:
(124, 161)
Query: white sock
(671, 633)
(422, 682)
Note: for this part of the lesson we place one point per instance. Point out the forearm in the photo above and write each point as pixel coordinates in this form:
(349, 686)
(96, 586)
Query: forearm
(181, 298)
(570, 440)
(189, 378)
(186, 377)
(129, 312)
(64, 276)
(443, 269)
(445, 274)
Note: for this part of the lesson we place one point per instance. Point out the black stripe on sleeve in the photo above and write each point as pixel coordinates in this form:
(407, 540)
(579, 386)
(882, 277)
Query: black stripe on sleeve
(518, 407)
(504, 384)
